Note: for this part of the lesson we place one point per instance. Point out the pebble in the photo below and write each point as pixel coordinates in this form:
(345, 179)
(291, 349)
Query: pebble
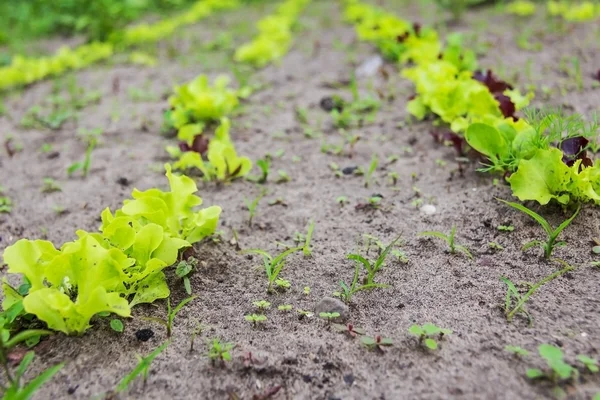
(428, 209)
(331, 305)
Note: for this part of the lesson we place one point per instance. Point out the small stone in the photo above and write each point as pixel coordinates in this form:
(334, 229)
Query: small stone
(331, 305)
(349, 170)
(349, 379)
(428, 209)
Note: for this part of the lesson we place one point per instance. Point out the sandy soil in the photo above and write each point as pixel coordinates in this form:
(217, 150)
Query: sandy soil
(304, 356)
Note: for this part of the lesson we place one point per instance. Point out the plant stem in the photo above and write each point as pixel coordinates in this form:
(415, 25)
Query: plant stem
(535, 287)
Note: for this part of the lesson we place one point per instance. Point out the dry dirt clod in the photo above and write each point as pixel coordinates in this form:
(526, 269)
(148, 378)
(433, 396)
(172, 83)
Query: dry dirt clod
(331, 305)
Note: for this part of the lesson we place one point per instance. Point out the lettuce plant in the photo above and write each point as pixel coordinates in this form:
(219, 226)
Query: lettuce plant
(196, 103)
(275, 36)
(98, 272)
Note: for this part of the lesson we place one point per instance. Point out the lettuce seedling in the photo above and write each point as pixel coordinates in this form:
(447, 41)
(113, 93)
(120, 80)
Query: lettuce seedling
(552, 234)
(349, 329)
(171, 313)
(453, 247)
(558, 370)
(425, 333)
(262, 305)
(329, 316)
(514, 302)
(255, 319)
(590, 363)
(143, 368)
(117, 325)
(184, 270)
(376, 342)
(264, 164)
(283, 283)
(220, 351)
(516, 350)
(273, 266)
(285, 307)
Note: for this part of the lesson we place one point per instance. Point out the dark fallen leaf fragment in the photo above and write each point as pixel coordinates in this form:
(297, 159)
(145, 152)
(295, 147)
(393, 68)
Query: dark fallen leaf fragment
(143, 335)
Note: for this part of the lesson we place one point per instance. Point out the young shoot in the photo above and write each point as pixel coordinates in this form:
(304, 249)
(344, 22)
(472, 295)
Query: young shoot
(255, 319)
(12, 386)
(329, 316)
(273, 266)
(514, 302)
(285, 307)
(376, 342)
(453, 247)
(427, 332)
(184, 270)
(307, 249)
(262, 305)
(516, 350)
(558, 370)
(171, 313)
(220, 352)
(349, 329)
(143, 368)
(552, 234)
(252, 205)
(371, 268)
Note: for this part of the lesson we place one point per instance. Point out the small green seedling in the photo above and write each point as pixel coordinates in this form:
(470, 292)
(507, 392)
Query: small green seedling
(329, 316)
(255, 319)
(117, 325)
(453, 247)
(262, 305)
(376, 342)
(516, 350)
(371, 170)
(341, 200)
(84, 166)
(13, 388)
(347, 292)
(184, 270)
(548, 246)
(5, 204)
(283, 283)
(495, 246)
(143, 368)
(305, 313)
(265, 165)
(283, 176)
(220, 351)
(514, 302)
(558, 370)
(306, 290)
(425, 333)
(252, 205)
(50, 186)
(171, 313)
(590, 363)
(307, 250)
(273, 266)
(197, 331)
(506, 228)
(285, 307)
(349, 329)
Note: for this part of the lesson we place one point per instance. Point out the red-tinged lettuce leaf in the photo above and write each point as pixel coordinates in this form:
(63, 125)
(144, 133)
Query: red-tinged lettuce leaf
(199, 145)
(596, 76)
(574, 149)
(446, 136)
(493, 83)
(507, 107)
